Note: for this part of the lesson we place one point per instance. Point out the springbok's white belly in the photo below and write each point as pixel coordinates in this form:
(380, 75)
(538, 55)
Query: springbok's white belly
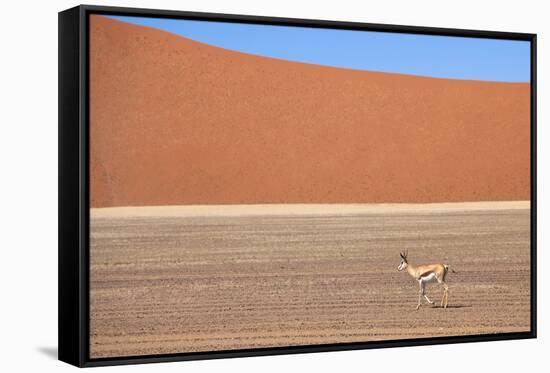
(429, 278)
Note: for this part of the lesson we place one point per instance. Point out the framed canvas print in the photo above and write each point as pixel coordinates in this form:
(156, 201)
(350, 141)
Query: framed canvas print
(238, 185)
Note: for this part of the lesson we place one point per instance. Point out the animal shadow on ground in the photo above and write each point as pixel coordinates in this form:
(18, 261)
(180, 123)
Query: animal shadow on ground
(453, 306)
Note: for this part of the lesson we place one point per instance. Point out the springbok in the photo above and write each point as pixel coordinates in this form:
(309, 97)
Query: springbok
(425, 274)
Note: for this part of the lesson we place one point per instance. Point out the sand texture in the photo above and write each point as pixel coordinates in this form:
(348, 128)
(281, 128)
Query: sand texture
(198, 282)
(175, 122)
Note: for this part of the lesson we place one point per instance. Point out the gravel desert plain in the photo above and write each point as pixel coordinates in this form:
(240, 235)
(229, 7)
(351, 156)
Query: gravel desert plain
(167, 280)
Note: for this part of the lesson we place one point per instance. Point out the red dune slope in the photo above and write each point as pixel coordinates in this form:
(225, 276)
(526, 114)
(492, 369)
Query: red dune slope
(174, 121)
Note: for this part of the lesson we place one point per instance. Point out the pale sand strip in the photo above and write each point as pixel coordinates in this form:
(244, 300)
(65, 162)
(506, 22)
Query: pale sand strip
(301, 209)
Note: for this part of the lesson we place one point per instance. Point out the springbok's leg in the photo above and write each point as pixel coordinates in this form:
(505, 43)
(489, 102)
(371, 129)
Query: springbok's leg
(442, 282)
(445, 295)
(428, 299)
(420, 294)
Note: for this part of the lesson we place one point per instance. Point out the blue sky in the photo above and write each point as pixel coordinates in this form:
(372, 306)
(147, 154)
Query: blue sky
(425, 55)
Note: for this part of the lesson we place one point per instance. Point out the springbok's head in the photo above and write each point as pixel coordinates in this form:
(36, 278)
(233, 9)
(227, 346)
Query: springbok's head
(403, 263)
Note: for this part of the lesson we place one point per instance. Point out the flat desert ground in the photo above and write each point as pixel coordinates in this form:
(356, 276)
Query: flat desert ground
(199, 278)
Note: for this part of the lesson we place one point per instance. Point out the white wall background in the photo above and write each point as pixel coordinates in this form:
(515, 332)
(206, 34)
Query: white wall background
(28, 183)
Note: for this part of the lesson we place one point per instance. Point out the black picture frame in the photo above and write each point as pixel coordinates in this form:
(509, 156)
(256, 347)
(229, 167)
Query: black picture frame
(73, 250)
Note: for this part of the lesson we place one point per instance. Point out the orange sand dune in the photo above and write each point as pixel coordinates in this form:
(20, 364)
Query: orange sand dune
(174, 122)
